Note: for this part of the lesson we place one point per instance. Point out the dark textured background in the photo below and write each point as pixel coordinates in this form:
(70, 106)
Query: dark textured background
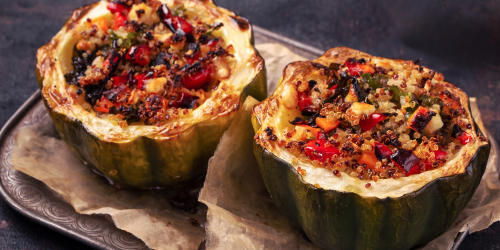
(460, 39)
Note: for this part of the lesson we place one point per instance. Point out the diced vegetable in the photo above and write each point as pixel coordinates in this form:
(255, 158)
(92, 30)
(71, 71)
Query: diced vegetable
(103, 105)
(396, 95)
(351, 95)
(316, 150)
(119, 80)
(184, 100)
(438, 155)
(118, 8)
(434, 125)
(183, 26)
(304, 101)
(197, 80)
(120, 20)
(355, 68)
(305, 132)
(369, 123)
(360, 108)
(314, 131)
(376, 81)
(326, 125)
(140, 80)
(176, 24)
(382, 151)
(428, 101)
(451, 103)
(404, 159)
(369, 159)
(300, 134)
(101, 23)
(461, 135)
(360, 93)
(420, 118)
(139, 54)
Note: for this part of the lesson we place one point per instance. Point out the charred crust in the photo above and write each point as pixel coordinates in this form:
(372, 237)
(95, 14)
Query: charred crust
(78, 15)
(241, 22)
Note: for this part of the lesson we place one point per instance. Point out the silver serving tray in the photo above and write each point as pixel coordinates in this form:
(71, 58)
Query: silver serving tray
(38, 202)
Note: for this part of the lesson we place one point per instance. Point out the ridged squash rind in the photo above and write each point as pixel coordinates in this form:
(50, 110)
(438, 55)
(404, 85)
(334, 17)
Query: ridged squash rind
(345, 220)
(364, 218)
(146, 161)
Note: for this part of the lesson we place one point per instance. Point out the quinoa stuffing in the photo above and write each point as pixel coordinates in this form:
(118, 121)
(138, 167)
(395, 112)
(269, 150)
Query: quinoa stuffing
(371, 121)
(149, 64)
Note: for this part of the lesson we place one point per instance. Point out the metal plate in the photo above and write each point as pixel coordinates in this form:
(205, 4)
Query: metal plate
(38, 202)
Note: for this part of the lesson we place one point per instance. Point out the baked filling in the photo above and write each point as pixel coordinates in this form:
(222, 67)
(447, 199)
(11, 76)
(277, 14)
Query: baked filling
(148, 64)
(367, 118)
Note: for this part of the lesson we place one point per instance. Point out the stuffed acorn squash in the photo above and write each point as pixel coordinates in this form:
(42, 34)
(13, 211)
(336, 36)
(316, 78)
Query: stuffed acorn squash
(363, 152)
(142, 91)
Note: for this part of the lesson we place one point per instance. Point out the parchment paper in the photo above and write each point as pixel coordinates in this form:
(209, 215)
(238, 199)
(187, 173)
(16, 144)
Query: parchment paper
(241, 214)
(40, 153)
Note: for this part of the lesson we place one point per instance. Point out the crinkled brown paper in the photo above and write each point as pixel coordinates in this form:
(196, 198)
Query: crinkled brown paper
(241, 215)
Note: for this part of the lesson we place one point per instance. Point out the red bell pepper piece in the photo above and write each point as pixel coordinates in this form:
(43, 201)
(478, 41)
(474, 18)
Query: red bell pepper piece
(118, 8)
(213, 42)
(464, 138)
(369, 123)
(438, 155)
(197, 80)
(304, 101)
(119, 80)
(182, 26)
(382, 151)
(414, 170)
(334, 87)
(140, 80)
(139, 54)
(193, 58)
(112, 60)
(120, 20)
(321, 152)
(165, 16)
(459, 134)
(120, 12)
(176, 24)
(355, 67)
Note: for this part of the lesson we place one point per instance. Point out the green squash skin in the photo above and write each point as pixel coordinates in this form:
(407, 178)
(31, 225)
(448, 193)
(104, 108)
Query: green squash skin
(149, 163)
(345, 220)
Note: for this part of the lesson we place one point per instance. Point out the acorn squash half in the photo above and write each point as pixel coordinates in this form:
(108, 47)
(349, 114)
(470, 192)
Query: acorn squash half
(169, 154)
(337, 210)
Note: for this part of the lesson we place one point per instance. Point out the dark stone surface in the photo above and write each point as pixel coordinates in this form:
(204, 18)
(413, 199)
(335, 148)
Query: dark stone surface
(460, 39)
